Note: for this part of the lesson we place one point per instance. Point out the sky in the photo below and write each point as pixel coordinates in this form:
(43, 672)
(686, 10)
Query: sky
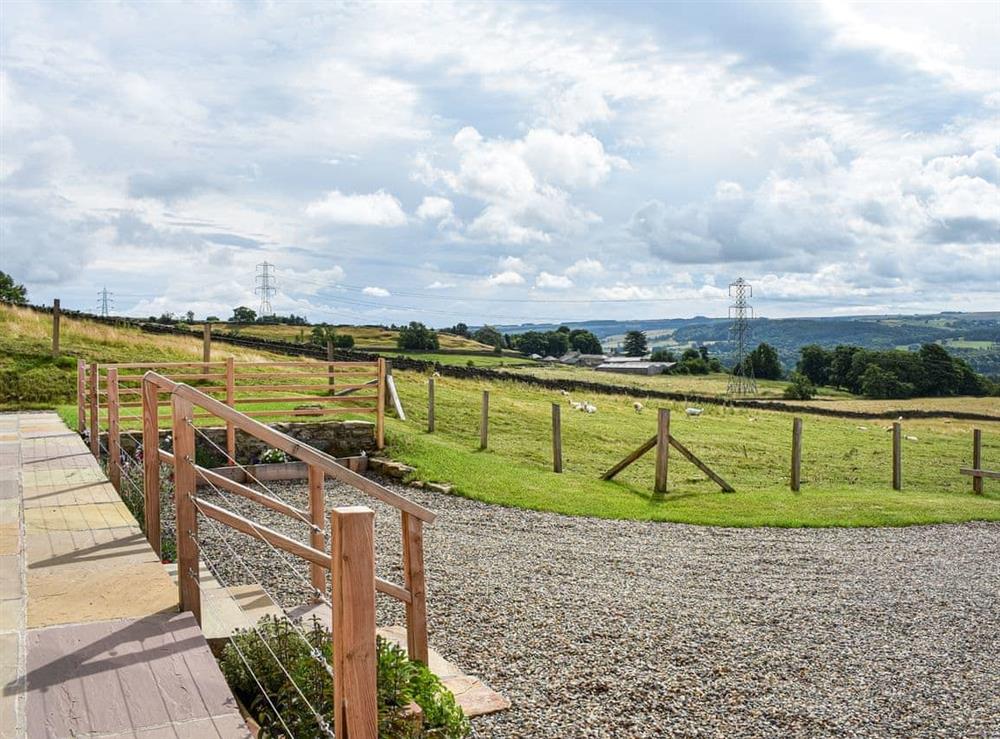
(502, 162)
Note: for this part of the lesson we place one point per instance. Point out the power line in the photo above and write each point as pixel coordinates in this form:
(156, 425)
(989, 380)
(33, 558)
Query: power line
(105, 302)
(265, 287)
(741, 381)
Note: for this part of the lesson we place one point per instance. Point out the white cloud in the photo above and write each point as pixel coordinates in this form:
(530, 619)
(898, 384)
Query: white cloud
(375, 209)
(504, 278)
(515, 264)
(547, 281)
(435, 208)
(439, 285)
(376, 292)
(524, 184)
(586, 268)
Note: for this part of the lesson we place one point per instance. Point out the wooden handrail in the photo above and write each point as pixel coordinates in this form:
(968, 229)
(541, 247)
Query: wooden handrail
(221, 481)
(291, 446)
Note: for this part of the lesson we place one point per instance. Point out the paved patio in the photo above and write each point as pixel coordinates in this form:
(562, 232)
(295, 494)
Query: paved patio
(90, 637)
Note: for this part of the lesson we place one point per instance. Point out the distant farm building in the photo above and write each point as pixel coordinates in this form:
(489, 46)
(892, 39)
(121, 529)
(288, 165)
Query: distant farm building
(580, 359)
(634, 366)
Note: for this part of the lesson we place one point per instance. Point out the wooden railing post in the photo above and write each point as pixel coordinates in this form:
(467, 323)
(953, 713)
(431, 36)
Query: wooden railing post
(317, 515)
(114, 433)
(380, 410)
(662, 450)
(796, 478)
(81, 395)
(355, 705)
(556, 437)
(977, 460)
(897, 456)
(330, 367)
(95, 423)
(151, 464)
(484, 421)
(416, 583)
(231, 402)
(187, 520)
(206, 345)
(56, 314)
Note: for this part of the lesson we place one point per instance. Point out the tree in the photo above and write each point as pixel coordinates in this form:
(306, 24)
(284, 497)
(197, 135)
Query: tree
(487, 335)
(556, 343)
(940, 376)
(459, 329)
(243, 315)
(190, 316)
(212, 319)
(815, 363)
(584, 342)
(636, 344)
(663, 355)
(11, 292)
(880, 383)
(563, 329)
(840, 365)
(800, 387)
(765, 363)
(417, 336)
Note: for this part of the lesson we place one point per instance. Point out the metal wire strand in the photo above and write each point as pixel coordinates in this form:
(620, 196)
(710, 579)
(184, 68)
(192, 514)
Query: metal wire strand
(243, 658)
(249, 474)
(316, 654)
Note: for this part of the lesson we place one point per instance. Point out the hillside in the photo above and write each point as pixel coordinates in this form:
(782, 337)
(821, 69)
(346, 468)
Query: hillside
(974, 337)
(365, 337)
(30, 377)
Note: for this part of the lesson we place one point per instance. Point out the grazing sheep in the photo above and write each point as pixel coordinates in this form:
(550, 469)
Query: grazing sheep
(694, 411)
(862, 428)
(436, 374)
(637, 406)
(576, 406)
(564, 392)
(912, 438)
(588, 408)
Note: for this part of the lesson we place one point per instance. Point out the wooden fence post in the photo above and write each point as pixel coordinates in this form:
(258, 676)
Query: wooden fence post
(206, 345)
(662, 450)
(430, 405)
(556, 437)
(188, 574)
(81, 395)
(95, 422)
(897, 456)
(114, 432)
(329, 367)
(231, 402)
(151, 464)
(380, 410)
(484, 421)
(416, 583)
(796, 453)
(317, 515)
(977, 460)
(355, 706)
(56, 314)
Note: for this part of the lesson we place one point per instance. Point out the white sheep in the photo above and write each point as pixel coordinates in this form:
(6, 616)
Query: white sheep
(589, 408)
(694, 411)
(436, 374)
(637, 406)
(576, 406)
(912, 438)
(565, 393)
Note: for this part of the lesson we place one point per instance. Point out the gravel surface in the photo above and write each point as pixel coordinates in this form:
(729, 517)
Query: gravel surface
(624, 629)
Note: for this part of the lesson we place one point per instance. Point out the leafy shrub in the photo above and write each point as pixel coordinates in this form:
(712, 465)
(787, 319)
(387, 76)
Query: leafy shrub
(400, 683)
(800, 387)
(273, 456)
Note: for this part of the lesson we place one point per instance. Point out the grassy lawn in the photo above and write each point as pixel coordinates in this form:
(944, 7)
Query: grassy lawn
(464, 360)
(846, 474)
(714, 384)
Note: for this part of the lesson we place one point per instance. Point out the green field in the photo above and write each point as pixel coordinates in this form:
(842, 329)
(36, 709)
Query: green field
(845, 462)
(846, 473)
(470, 360)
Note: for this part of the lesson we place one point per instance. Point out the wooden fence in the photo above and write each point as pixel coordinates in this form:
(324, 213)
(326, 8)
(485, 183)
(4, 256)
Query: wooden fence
(351, 559)
(311, 389)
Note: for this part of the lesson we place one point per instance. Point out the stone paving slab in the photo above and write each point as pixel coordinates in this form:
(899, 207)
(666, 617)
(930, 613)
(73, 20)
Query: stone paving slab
(121, 677)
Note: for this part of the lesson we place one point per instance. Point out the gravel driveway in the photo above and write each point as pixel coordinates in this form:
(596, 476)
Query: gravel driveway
(621, 629)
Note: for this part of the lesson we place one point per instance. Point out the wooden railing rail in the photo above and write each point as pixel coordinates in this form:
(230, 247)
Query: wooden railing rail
(184, 402)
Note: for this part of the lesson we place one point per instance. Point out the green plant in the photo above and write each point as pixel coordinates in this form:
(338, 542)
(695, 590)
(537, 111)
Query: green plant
(800, 387)
(249, 664)
(273, 456)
